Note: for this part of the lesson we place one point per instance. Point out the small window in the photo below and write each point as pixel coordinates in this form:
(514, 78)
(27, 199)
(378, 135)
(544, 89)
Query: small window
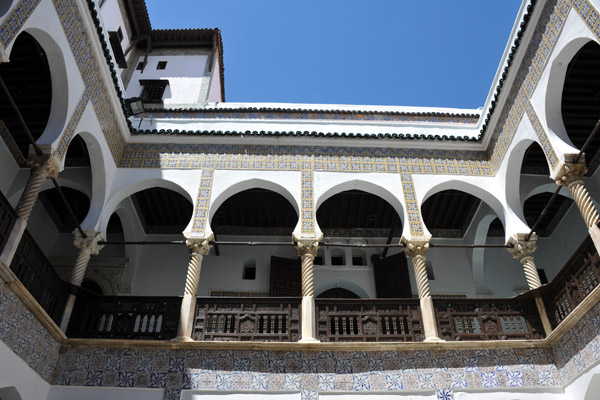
(358, 260)
(140, 65)
(542, 274)
(120, 34)
(249, 272)
(153, 90)
(337, 260)
(318, 260)
(161, 65)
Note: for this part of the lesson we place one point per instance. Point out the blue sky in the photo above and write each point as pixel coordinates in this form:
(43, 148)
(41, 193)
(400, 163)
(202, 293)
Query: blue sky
(414, 53)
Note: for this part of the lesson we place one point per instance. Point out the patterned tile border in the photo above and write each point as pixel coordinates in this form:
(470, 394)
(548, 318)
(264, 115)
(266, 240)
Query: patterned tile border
(314, 372)
(26, 336)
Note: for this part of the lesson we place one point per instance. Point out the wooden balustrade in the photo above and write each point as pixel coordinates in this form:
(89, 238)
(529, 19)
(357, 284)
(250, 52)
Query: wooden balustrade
(576, 280)
(125, 317)
(35, 272)
(369, 320)
(488, 319)
(274, 319)
(8, 217)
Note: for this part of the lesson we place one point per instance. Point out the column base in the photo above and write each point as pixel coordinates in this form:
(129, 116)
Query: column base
(429, 322)
(183, 339)
(309, 340)
(64, 322)
(433, 339)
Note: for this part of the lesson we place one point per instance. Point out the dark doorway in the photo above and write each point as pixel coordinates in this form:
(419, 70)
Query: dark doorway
(286, 280)
(391, 277)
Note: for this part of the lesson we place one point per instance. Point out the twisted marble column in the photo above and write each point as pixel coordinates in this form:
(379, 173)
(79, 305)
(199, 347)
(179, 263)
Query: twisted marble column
(416, 250)
(42, 168)
(87, 246)
(523, 251)
(199, 247)
(569, 174)
(307, 250)
(585, 203)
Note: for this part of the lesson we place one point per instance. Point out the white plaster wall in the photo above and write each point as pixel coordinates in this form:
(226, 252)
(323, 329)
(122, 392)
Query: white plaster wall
(184, 72)
(112, 19)
(98, 393)
(214, 91)
(15, 372)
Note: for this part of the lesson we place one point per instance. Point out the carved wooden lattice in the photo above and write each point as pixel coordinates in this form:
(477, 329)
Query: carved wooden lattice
(36, 273)
(579, 276)
(275, 319)
(481, 319)
(8, 217)
(372, 320)
(125, 317)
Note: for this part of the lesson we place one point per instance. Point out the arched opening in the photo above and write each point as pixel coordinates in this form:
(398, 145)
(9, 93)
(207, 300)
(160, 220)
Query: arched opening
(338, 293)
(455, 217)
(255, 214)
(361, 217)
(27, 77)
(534, 161)
(580, 105)
(162, 211)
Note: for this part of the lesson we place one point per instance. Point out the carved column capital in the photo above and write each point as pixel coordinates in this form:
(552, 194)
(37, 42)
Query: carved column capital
(568, 171)
(43, 165)
(414, 248)
(307, 247)
(522, 248)
(88, 243)
(200, 246)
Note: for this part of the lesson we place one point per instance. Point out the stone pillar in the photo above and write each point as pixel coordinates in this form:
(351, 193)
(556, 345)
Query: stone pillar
(199, 247)
(523, 251)
(87, 246)
(569, 174)
(42, 168)
(416, 250)
(307, 250)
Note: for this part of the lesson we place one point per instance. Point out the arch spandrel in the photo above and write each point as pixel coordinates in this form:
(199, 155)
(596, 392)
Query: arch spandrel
(388, 187)
(129, 185)
(226, 185)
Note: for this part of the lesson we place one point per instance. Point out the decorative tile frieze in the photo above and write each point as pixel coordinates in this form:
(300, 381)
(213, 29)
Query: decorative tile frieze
(540, 132)
(25, 335)
(14, 22)
(202, 201)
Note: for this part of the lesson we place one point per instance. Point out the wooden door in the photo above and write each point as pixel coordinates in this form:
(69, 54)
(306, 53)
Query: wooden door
(391, 277)
(286, 279)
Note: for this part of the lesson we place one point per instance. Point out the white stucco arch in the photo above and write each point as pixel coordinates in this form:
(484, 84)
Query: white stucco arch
(60, 84)
(513, 176)
(478, 191)
(124, 192)
(556, 82)
(226, 184)
(343, 182)
(478, 262)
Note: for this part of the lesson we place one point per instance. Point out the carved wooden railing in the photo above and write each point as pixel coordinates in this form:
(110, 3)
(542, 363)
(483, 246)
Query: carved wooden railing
(274, 319)
(35, 272)
(8, 217)
(576, 280)
(125, 317)
(488, 319)
(369, 320)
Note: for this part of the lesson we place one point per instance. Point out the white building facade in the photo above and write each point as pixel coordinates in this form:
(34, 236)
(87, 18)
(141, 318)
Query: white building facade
(291, 251)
